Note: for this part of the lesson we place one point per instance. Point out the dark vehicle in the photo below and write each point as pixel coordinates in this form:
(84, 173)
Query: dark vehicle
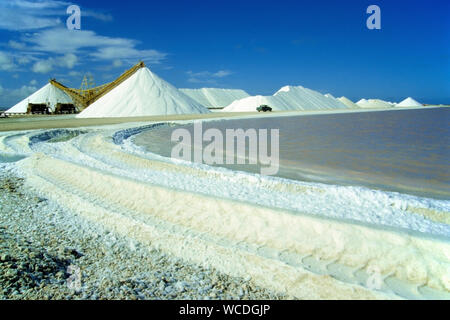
(38, 108)
(62, 108)
(264, 108)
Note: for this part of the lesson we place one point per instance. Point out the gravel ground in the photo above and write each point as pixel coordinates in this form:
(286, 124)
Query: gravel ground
(49, 253)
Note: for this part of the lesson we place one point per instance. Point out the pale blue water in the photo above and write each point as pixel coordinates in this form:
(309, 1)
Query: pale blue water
(10, 158)
(403, 150)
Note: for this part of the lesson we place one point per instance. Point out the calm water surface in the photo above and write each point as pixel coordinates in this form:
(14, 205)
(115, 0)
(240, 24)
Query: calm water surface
(405, 150)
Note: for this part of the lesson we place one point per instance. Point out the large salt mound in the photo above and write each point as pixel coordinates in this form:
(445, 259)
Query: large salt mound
(47, 94)
(409, 102)
(251, 103)
(215, 97)
(288, 98)
(349, 103)
(307, 99)
(374, 103)
(143, 94)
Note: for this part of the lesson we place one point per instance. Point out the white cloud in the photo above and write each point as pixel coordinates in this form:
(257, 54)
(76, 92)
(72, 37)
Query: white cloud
(69, 60)
(207, 76)
(40, 4)
(6, 62)
(9, 97)
(12, 61)
(23, 60)
(63, 41)
(44, 39)
(117, 63)
(199, 74)
(129, 54)
(26, 15)
(23, 15)
(74, 74)
(97, 15)
(23, 91)
(16, 45)
(222, 73)
(33, 82)
(44, 66)
(44, 45)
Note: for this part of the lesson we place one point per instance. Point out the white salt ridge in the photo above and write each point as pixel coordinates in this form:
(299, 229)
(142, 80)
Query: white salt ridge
(215, 97)
(143, 94)
(47, 94)
(349, 103)
(288, 98)
(409, 102)
(374, 103)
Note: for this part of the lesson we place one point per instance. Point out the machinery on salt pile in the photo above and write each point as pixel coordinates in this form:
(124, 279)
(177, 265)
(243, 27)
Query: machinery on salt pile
(87, 94)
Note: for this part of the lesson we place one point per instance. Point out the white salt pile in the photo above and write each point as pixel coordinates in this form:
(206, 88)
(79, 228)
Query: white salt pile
(215, 97)
(409, 102)
(307, 99)
(349, 103)
(143, 94)
(374, 103)
(251, 103)
(47, 94)
(288, 98)
(362, 101)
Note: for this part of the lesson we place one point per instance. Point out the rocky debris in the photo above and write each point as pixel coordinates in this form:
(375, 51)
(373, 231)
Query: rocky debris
(47, 252)
(24, 267)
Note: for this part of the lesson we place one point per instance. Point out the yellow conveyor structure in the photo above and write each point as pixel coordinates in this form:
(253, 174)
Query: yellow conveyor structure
(82, 98)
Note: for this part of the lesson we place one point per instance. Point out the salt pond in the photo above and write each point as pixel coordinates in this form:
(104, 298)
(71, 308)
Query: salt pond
(405, 151)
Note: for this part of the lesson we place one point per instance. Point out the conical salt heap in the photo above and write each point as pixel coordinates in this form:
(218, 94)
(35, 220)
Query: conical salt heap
(142, 94)
(48, 94)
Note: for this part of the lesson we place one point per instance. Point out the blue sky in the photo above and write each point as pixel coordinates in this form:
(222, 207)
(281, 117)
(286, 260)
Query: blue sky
(258, 46)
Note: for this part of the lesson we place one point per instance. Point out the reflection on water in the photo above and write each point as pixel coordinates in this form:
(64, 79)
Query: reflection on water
(406, 151)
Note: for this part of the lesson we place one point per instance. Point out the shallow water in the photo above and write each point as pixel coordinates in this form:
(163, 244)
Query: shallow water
(404, 150)
(5, 158)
